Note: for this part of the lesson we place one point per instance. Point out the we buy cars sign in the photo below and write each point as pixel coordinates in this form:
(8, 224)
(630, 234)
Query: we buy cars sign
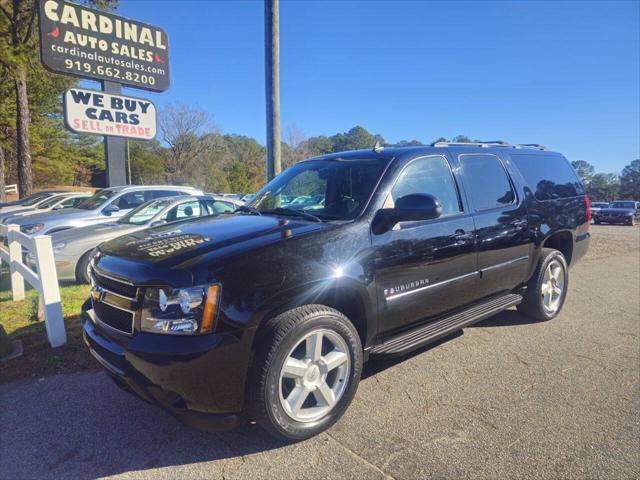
(90, 111)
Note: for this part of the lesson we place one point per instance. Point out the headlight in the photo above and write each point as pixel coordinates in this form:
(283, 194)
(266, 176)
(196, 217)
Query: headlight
(180, 311)
(31, 229)
(57, 248)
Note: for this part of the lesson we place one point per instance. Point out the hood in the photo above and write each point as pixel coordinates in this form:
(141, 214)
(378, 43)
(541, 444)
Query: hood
(177, 245)
(104, 231)
(50, 215)
(14, 208)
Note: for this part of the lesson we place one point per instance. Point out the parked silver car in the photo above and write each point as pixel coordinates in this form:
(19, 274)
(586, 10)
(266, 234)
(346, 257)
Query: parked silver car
(28, 202)
(73, 248)
(106, 204)
(58, 201)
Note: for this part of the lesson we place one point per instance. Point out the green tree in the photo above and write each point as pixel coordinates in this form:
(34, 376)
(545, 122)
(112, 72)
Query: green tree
(604, 187)
(584, 170)
(630, 181)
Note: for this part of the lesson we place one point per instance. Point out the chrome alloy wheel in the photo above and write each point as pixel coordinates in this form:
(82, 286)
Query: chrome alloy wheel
(552, 287)
(314, 375)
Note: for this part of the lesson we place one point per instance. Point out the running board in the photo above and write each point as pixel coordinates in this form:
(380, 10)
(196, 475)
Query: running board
(432, 331)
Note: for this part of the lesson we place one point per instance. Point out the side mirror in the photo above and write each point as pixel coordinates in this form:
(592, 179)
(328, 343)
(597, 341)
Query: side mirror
(157, 223)
(410, 208)
(111, 208)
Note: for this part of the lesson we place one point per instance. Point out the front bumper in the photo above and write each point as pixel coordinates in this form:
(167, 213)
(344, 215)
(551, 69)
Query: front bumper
(199, 380)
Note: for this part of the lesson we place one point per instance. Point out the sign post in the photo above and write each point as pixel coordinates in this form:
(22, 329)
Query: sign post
(114, 158)
(94, 44)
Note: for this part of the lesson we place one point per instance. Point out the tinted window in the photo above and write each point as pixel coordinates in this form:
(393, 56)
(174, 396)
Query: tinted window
(165, 193)
(130, 200)
(548, 176)
(486, 181)
(432, 176)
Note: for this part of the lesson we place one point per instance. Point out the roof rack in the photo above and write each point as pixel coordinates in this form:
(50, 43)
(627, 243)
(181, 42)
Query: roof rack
(492, 143)
(536, 146)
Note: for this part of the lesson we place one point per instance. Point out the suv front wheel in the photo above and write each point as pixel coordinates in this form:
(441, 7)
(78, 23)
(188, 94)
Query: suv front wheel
(305, 372)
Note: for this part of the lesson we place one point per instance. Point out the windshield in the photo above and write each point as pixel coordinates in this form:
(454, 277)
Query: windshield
(145, 212)
(631, 205)
(96, 200)
(328, 189)
(49, 202)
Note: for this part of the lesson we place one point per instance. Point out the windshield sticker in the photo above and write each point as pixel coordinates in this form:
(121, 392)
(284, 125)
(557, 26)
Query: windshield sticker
(161, 247)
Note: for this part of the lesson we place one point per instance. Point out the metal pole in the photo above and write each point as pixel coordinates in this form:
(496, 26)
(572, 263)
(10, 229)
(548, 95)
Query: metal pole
(114, 147)
(272, 84)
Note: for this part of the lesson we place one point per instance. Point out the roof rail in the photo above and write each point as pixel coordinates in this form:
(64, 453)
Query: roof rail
(492, 143)
(535, 146)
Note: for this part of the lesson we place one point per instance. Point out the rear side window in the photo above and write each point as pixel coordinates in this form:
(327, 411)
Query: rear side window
(548, 176)
(486, 181)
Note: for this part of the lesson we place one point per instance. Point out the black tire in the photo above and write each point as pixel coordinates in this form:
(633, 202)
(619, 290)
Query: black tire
(532, 303)
(632, 221)
(276, 340)
(597, 222)
(82, 275)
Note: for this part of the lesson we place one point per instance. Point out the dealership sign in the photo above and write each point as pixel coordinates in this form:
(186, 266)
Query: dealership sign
(90, 111)
(89, 43)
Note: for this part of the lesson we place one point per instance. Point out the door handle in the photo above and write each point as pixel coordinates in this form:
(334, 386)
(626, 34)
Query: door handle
(520, 224)
(461, 236)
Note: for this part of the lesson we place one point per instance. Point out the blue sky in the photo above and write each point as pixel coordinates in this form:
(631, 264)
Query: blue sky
(565, 74)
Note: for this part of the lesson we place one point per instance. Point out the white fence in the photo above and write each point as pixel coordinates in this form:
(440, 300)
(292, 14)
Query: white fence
(13, 188)
(45, 280)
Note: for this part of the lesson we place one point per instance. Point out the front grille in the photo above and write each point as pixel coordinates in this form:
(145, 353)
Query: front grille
(114, 317)
(115, 286)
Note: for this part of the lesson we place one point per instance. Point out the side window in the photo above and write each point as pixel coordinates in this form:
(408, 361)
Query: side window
(487, 181)
(429, 175)
(216, 207)
(549, 176)
(165, 193)
(184, 210)
(130, 200)
(71, 202)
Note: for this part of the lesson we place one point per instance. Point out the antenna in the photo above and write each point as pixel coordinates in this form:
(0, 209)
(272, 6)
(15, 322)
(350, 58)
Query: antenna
(378, 147)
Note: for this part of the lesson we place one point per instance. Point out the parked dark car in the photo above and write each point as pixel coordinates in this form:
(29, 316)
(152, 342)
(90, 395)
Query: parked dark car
(619, 211)
(268, 314)
(596, 207)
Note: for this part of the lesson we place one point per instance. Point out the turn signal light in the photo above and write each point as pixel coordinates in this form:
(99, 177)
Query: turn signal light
(210, 309)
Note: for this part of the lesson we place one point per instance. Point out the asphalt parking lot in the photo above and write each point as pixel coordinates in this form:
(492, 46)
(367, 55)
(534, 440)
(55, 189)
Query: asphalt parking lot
(506, 399)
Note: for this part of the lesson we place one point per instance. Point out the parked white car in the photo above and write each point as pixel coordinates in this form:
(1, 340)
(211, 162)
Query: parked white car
(58, 201)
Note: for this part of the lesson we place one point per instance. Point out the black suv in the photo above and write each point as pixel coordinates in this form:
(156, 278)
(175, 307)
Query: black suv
(268, 313)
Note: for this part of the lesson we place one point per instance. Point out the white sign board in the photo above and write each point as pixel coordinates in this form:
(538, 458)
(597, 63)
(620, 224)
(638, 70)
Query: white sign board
(90, 111)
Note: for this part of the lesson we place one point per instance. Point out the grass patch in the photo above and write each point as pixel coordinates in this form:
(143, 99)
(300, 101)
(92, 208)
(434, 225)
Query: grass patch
(20, 321)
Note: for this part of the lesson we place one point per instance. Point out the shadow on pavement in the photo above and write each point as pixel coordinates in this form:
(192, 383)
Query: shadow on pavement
(83, 426)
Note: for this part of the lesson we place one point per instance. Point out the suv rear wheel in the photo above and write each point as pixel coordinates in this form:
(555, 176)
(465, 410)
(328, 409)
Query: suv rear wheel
(547, 288)
(305, 372)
